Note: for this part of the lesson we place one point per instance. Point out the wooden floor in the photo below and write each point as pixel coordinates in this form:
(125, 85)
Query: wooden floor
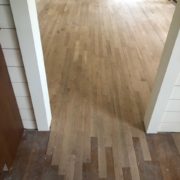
(101, 61)
(31, 162)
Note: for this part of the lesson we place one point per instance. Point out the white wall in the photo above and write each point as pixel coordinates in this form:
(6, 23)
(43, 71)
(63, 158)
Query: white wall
(12, 54)
(163, 113)
(170, 121)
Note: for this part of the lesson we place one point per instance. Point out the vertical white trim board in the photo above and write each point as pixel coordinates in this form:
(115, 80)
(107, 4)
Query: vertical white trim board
(27, 27)
(166, 77)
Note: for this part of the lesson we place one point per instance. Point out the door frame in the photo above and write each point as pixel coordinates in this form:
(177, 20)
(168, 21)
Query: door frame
(27, 27)
(26, 22)
(166, 77)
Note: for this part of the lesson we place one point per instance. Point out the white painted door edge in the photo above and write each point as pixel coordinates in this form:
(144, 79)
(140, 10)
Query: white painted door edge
(166, 76)
(27, 27)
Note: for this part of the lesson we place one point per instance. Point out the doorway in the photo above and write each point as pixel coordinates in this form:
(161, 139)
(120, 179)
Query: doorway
(101, 61)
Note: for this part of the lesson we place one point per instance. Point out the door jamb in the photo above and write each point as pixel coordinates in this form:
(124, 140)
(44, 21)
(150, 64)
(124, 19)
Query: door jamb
(27, 27)
(166, 76)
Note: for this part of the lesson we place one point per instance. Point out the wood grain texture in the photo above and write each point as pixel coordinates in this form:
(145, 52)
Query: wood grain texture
(31, 161)
(11, 128)
(101, 60)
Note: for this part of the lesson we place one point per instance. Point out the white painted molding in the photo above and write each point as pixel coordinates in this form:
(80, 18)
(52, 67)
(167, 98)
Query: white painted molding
(27, 27)
(166, 77)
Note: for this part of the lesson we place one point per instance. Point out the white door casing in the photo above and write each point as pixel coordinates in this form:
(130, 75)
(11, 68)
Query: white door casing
(27, 27)
(167, 74)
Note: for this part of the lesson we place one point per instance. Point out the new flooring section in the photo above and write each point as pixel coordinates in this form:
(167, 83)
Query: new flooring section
(101, 60)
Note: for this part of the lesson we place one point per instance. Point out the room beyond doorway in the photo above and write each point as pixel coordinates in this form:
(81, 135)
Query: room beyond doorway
(101, 61)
